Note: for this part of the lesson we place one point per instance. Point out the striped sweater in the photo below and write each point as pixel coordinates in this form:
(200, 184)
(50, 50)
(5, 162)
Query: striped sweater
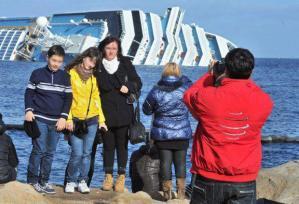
(48, 95)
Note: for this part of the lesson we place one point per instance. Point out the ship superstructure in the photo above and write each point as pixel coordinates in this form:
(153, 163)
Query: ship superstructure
(147, 38)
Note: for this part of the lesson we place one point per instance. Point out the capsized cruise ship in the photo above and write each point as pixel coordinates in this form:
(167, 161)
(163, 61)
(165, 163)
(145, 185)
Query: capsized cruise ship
(147, 38)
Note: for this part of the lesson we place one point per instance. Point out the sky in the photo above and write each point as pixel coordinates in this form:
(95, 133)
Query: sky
(269, 28)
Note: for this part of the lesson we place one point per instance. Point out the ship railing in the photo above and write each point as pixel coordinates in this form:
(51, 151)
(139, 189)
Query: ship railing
(47, 37)
(13, 27)
(22, 54)
(82, 21)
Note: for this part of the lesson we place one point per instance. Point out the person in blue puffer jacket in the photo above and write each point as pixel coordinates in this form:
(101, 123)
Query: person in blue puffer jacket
(171, 129)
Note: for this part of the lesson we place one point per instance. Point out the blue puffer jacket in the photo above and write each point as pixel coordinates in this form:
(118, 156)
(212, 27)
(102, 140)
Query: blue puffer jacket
(165, 101)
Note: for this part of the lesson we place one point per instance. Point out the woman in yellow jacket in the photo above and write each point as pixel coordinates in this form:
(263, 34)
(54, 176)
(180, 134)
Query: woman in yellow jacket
(86, 106)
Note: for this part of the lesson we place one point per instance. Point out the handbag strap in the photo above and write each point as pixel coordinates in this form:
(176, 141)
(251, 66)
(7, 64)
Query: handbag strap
(137, 110)
(89, 99)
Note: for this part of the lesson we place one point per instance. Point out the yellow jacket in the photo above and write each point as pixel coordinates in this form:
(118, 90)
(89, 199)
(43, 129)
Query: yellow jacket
(81, 94)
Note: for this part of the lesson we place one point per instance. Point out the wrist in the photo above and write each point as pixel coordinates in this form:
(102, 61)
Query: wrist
(64, 116)
(28, 110)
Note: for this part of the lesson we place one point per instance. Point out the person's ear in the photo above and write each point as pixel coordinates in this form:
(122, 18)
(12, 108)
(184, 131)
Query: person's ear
(250, 73)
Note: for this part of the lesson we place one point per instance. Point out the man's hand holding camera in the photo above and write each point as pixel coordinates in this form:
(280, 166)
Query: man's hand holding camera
(217, 69)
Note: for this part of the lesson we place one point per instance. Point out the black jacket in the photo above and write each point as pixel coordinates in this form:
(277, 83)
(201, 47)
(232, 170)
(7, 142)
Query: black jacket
(8, 158)
(114, 103)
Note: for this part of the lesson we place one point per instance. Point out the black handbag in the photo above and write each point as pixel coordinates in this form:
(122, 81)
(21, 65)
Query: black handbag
(99, 136)
(137, 133)
(31, 129)
(80, 126)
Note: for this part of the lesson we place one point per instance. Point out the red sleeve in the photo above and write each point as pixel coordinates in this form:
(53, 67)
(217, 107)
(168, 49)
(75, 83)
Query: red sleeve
(191, 95)
(267, 107)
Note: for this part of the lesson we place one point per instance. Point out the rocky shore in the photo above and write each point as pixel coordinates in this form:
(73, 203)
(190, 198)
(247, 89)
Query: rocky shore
(279, 184)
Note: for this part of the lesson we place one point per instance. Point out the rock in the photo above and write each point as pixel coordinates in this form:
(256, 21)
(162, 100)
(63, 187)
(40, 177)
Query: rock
(176, 201)
(16, 192)
(280, 183)
(159, 197)
(96, 196)
(280, 139)
(132, 198)
(267, 139)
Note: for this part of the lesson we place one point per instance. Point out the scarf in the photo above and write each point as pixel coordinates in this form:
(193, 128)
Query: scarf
(111, 66)
(84, 73)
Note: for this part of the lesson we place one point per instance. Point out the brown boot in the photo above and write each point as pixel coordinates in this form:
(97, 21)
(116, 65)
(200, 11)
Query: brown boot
(167, 187)
(180, 185)
(108, 182)
(120, 184)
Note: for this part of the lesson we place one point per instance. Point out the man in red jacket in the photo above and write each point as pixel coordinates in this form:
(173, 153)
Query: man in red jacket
(227, 152)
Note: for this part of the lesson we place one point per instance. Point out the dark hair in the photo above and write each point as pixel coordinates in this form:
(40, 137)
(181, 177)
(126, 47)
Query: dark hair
(107, 41)
(91, 52)
(239, 63)
(56, 50)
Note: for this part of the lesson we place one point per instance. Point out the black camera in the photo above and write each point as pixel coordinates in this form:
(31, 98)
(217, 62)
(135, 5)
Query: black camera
(218, 68)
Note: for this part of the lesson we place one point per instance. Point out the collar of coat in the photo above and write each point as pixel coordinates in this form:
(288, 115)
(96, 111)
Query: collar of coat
(228, 81)
(169, 83)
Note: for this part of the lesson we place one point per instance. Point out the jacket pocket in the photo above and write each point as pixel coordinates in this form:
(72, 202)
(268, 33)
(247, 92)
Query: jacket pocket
(198, 195)
(245, 193)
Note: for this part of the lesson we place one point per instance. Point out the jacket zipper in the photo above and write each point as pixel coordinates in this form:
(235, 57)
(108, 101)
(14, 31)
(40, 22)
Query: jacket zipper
(52, 77)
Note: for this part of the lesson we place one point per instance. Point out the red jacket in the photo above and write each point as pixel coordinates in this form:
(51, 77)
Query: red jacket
(227, 141)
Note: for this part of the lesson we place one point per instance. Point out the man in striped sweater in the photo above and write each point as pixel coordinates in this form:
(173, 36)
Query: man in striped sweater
(48, 99)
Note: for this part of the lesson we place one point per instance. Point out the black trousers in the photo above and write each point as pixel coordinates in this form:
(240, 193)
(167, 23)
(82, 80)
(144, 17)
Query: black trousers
(178, 158)
(116, 139)
(206, 191)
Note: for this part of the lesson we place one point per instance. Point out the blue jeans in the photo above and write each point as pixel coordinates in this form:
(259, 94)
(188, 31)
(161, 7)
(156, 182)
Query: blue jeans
(41, 157)
(207, 191)
(79, 163)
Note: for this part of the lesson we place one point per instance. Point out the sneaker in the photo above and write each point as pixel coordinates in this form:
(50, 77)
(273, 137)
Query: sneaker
(37, 187)
(47, 188)
(70, 187)
(83, 188)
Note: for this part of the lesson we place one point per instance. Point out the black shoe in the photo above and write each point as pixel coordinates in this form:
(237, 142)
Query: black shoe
(37, 187)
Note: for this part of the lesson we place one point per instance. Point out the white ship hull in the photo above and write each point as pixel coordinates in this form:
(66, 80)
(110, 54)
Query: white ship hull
(147, 38)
